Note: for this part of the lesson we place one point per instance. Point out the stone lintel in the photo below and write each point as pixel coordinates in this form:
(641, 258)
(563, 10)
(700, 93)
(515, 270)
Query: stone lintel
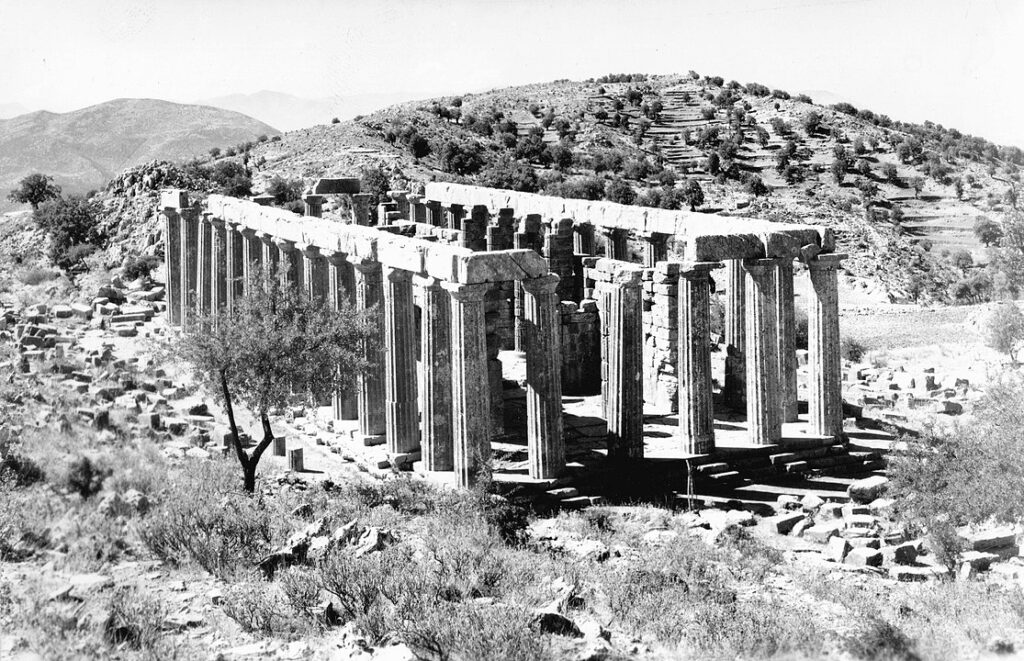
(698, 269)
(829, 260)
(174, 199)
(336, 186)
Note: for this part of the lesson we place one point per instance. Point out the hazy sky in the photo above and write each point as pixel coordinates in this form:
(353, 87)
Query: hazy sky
(956, 62)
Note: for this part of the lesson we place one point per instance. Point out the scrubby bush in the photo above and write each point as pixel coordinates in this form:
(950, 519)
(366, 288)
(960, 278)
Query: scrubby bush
(851, 349)
(1006, 329)
(35, 189)
(141, 266)
(509, 174)
(284, 190)
(85, 477)
(618, 190)
(70, 222)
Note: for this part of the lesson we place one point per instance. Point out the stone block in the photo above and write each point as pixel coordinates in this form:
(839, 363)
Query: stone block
(864, 557)
(783, 523)
(902, 554)
(822, 532)
(868, 489)
(836, 549)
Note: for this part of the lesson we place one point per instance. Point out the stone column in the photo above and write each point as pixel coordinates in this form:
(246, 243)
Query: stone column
(218, 265)
(763, 413)
(824, 379)
(471, 400)
(370, 393)
(314, 273)
(172, 257)
(624, 393)
(583, 239)
(435, 355)
(696, 403)
(434, 213)
(204, 272)
(654, 248)
(291, 262)
(519, 242)
(235, 271)
(785, 321)
(545, 440)
(252, 256)
(189, 262)
(735, 328)
(417, 211)
(614, 247)
(361, 208)
(456, 212)
(340, 292)
(400, 362)
(314, 205)
(270, 256)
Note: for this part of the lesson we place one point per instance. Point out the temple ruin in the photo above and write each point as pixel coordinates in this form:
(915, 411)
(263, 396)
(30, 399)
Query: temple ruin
(600, 298)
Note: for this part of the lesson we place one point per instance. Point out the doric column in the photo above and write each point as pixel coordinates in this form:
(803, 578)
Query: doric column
(417, 210)
(361, 208)
(824, 391)
(252, 256)
(519, 242)
(291, 262)
(172, 256)
(218, 265)
(456, 212)
(435, 215)
(435, 358)
(624, 395)
(654, 248)
(370, 393)
(614, 246)
(204, 272)
(696, 406)
(763, 414)
(189, 261)
(314, 205)
(583, 239)
(471, 398)
(545, 442)
(340, 292)
(270, 256)
(735, 329)
(314, 273)
(234, 271)
(785, 323)
(400, 362)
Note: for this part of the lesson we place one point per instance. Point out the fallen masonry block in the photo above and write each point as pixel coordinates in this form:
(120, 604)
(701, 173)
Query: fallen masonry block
(81, 311)
(979, 560)
(149, 420)
(901, 554)
(987, 540)
(907, 574)
(865, 542)
(783, 523)
(836, 549)
(280, 446)
(295, 460)
(864, 557)
(176, 426)
(868, 489)
(62, 311)
(823, 532)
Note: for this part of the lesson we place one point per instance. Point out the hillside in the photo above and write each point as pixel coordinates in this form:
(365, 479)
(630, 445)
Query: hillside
(895, 206)
(85, 148)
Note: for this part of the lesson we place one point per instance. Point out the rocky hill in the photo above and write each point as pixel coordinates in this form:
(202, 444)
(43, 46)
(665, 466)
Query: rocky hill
(86, 148)
(903, 198)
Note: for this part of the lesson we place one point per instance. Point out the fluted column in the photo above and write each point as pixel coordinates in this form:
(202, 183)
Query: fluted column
(735, 330)
(218, 265)
(370, 393)
(456, 212)
(471, 398)
(696, 405)
(519, 242)
(434, 213)
(340, 293)
(172, 257)
(654, 248)
(400, 362)
(234, 271)
(361, 208)
(545, 442)
(763, 413)
(204, 272)
(314, 273)
(291, 262)
(613, 248)
(252, 256)
(270, 256)
(824, 392)
(314, 205)
(785, 320)
(583, 239)
(624, 395)
(417, 210)
(435, 358)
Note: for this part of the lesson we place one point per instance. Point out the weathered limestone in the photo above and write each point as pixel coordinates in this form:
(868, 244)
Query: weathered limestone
(341, 292)
(370, 392)
(172, 248)
(314, 205)
(234, 269)
(614, 243)
(735, 330)
(361, 208)
(763, 414)
(203, 264)
(252, 256)
(696, 408)
(435, 351)
(434, 213)
(400, 410)
(785, 324)
(314, 273)
(824, 392)
(655, 248)
(290, 262)
(270, 255)
(455, 214)
(583, 239)
(470, 390)
(543, 377)
(218, 265)
(519, 327)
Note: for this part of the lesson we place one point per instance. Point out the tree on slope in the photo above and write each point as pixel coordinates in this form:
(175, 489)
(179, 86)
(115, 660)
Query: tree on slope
(1006, 330)
(276, 348)
(35, 189)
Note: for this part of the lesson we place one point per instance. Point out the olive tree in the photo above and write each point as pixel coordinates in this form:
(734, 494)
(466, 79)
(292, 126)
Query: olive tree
(1006, 330)
(35, 189)
(276, 347)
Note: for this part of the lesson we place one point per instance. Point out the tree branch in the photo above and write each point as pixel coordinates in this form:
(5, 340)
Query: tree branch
(236, 439)
(268, 438)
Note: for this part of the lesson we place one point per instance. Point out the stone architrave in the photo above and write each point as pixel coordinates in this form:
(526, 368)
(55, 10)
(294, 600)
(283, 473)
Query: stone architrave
(471, 398)
(204, 271)
(735, 329)
(401, 413)
(764, 419)
(370, 392)
(218, 265)
(234, 271)
(545, 442)
(340, 292)
(314, 273)
(435, 351)
(824, 380)
(172, 248)
(785, 319)
(696, 407)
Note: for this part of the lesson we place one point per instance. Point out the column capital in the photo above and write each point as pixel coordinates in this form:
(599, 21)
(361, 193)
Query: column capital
(284, 244)
(362, 265)
(393, 274)
(266, 237)
(759, 266)
(607, 231)
(826, 261)
(414, 199)
(217, 222)
(545, 284)
(308, 249)
(467, 293)
(698, 270)
(333, 256)
(312, 197)
(247, 232)
(426, 282)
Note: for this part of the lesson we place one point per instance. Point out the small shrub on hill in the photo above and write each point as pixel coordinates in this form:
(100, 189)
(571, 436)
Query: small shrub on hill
(1006, 330)
(70, 222)
(140, 267)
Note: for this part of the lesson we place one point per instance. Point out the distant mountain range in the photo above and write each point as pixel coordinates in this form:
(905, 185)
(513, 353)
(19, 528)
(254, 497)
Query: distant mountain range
(289, 112)
(11, 110)
(85, 148)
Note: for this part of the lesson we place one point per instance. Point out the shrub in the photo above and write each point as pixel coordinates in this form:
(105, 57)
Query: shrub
(70, 222)
(35, 189)
(987, 231)
(284, 190)
(618, 190)
(851, 349)
(84, 477)
(214, 152)
(133, 619)
(510, 174)
(140, 267)
(37, 276)
(1006, 329)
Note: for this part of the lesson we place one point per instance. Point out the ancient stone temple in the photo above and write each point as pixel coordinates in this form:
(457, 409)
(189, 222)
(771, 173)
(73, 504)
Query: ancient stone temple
(463, 273)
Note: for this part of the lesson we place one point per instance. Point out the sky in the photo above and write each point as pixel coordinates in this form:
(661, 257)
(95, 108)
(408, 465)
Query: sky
(955, 62)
